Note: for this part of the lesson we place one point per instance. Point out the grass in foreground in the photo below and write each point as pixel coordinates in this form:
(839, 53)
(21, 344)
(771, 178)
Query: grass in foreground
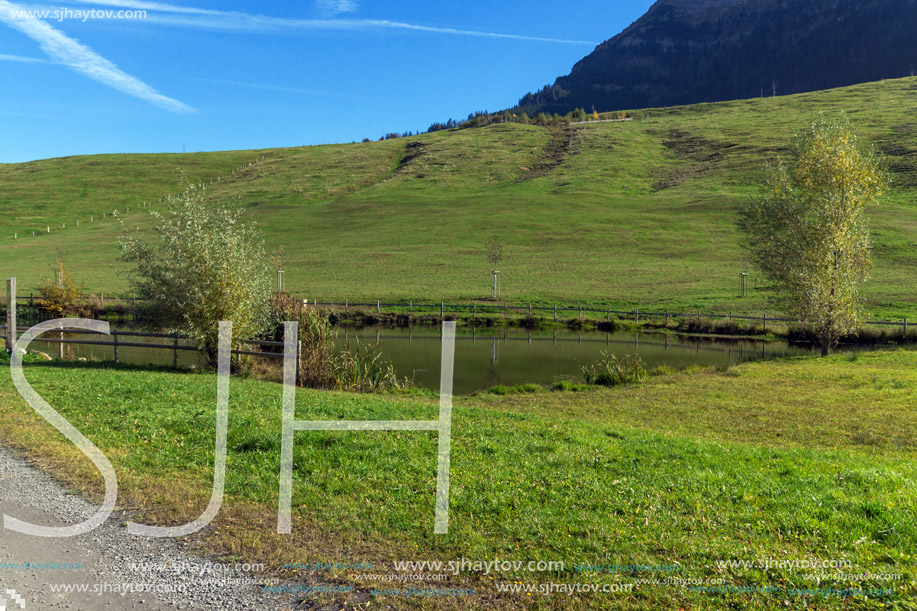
(782, 460)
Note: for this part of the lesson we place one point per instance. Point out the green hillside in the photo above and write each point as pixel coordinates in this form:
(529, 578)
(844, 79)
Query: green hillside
(636, 213)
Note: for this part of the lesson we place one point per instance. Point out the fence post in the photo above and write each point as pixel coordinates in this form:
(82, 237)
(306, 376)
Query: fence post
(505, 309)
(298, 357)
(530, 310)
(31, 300)
(175, 354)
(102, 300)
(637, 316)
(378, 306)
(905, 325)
(114, 336)
(411, 311)
(442, 309)
(666, 318)
(60, 345)
(10, 314)
(765, 321)
(474, 311)
(555, 312)
(581, 311)
(730, 317)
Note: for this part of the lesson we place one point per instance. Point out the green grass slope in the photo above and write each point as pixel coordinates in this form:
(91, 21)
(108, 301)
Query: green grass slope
(638, 213)
(754, 463)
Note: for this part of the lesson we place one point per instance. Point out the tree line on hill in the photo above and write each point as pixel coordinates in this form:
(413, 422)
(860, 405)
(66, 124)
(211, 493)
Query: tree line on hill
(483, 118)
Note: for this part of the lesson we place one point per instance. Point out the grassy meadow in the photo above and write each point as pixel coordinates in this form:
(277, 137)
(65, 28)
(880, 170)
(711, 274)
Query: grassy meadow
(781, 460)
(639, 213)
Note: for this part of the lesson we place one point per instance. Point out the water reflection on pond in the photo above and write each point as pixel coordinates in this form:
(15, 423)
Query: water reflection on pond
(491, 357)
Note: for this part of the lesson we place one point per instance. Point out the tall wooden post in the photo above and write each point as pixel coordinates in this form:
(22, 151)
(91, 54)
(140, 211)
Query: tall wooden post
(298, 357)
(10, 314)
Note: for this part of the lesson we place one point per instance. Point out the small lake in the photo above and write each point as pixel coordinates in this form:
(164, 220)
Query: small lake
(490, 356)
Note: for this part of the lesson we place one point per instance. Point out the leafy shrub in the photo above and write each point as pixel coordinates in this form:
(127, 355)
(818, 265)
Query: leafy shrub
(59, 297)
(320, 366)
(317, 351)
(612, 371)
(206, 265)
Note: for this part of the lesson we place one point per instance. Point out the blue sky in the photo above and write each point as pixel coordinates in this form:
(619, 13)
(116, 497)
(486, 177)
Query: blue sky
(216, 76)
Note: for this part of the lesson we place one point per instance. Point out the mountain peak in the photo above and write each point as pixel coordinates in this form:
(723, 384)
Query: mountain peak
(690, 51)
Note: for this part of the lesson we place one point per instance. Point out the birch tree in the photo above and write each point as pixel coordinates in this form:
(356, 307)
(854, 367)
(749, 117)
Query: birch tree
(809, 232)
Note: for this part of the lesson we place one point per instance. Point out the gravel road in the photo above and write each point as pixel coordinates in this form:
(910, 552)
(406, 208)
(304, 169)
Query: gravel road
(36, 572)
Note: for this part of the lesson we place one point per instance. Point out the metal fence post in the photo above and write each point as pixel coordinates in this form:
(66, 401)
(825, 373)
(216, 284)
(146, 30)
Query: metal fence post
(637, 316)
(114, 336)
(60, 345)
(555, 312)
(175, 355)
(765, 321)
(378, 306)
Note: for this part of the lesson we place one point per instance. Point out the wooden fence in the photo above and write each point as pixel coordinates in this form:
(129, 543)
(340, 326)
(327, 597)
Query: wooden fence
(114, 340)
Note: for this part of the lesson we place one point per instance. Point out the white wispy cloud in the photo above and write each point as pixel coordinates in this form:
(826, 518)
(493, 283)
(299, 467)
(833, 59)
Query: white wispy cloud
(80, 58)
(236, 21)
(333, 8)
(25, 60)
